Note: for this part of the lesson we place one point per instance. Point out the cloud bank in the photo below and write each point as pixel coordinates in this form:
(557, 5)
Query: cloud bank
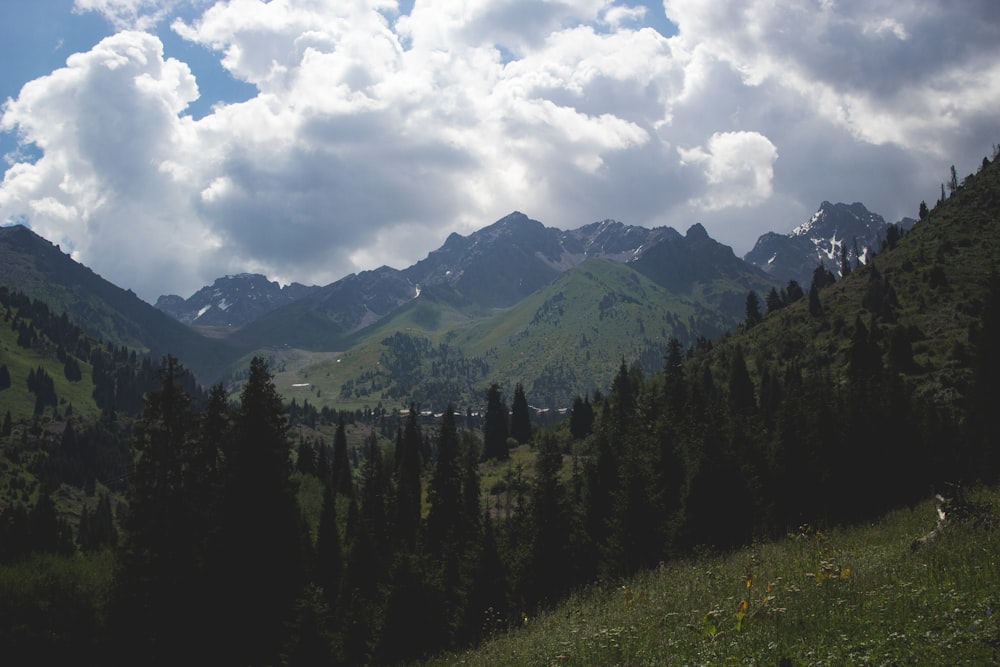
(373, 133)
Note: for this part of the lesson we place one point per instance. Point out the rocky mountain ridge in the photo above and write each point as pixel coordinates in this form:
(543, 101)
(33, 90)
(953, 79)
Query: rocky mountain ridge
(232, 300)
(495, 268)
(832, 230)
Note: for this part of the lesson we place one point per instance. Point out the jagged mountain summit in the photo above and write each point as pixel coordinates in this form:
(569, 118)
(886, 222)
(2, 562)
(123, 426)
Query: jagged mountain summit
(496, 267)
(232, 300)
(821, 240)
(493, 267)
(504, 262)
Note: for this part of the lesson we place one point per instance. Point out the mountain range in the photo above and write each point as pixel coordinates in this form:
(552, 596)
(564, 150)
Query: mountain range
(495, 268)
(506, 261)
(521, 302)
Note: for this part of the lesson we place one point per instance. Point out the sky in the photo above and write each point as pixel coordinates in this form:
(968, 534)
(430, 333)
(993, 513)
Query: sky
(165, 143)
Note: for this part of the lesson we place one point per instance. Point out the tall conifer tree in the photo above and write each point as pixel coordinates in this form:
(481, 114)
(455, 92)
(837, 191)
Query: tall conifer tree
(261, 533)
(408, 468)
(445, 490)
(329, 556)
(341, 467)
(520, 416)
(495, 426)
(159, 574)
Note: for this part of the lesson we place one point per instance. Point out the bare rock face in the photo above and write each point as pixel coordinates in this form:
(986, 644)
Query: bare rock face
(822, 239)
(232, 301)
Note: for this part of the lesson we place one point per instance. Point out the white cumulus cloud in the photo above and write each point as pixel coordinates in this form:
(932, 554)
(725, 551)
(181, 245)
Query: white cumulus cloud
(375, 133)
(738, 168)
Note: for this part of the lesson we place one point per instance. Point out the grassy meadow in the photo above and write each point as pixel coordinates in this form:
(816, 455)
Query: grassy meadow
(847, 596)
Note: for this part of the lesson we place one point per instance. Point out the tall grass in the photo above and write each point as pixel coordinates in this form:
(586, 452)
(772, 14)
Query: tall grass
(852, 596)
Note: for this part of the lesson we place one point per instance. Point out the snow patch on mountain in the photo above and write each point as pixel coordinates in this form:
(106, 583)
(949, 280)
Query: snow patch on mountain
(232, 300)
(833, 233)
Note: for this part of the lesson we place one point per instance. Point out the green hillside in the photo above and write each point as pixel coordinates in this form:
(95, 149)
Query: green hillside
(33, 266)
(569, 338)
(564, 340)
(922, 303)
(21, 360)
(853, 596)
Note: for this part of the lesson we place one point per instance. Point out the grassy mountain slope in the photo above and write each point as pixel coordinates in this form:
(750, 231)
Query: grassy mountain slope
(565, 339)
(20, 361)
(32, 265)
(570, 337)
(857, 596)
(933, 287)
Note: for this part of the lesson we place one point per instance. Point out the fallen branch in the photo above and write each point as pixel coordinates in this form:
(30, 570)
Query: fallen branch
(940, 505)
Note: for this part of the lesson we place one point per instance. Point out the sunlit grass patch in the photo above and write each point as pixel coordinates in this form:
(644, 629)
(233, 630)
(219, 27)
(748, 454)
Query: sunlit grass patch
(817, 597)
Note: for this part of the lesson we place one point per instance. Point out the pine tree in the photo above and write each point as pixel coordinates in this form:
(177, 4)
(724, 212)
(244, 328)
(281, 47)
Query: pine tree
(864, 357)
(408, 498)
(368, 561)
(774, 301)
(261, 530)
(547, 568)
(892, 236)
(305, 458)
(213, 443)
(312, 639)
(471, 488)
(900, 352)
(102, 524)
(793, 292)
(71, 369)
(753, 316)
(341, 467)
(622, 398)
(815, 305)
(674, 389)
(329, 555)
(83, 538)
(444, 493)
(495, 426)
(414, 613)
(822, 277)
(601, 475)
(47, 533)
(581, 418)
(97, 529)
(159, 574)
(520, 416)
(741, 389)
(487, 607)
